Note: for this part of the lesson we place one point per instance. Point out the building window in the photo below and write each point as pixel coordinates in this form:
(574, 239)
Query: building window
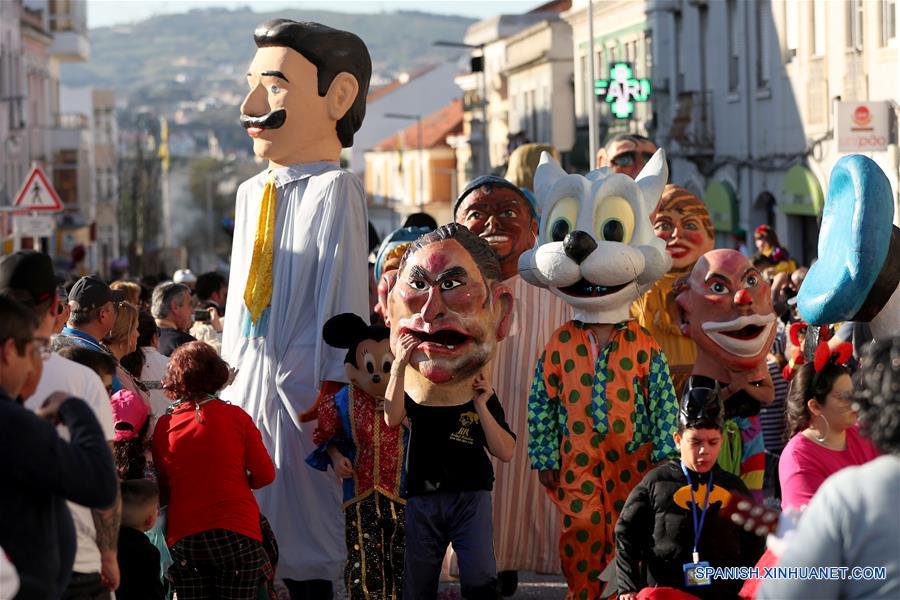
(888, 22)
(818, 27)
(762, 44)
(791, 31)
(733, 44)
(599, 67)
(854, 23)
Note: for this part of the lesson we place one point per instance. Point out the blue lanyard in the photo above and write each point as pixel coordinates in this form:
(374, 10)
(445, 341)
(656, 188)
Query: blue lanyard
(698, 527)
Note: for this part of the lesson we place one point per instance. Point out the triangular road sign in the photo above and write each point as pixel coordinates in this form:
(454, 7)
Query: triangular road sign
(38, 194)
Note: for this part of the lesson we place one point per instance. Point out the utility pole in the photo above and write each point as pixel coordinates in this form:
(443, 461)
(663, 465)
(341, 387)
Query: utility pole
(592, 97)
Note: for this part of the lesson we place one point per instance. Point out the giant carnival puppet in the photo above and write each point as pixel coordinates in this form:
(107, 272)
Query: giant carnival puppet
(726, 308)
(526, 524)
(448, 310)
(602, 408)
(682, 221)
(298, 259)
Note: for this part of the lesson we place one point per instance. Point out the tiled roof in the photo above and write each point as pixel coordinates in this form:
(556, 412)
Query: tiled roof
(435, 129)
(397, 83)
(556, 6)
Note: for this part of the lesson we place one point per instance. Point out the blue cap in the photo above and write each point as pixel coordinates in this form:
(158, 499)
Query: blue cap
(495, 181)
(859, 248)
(404, 235)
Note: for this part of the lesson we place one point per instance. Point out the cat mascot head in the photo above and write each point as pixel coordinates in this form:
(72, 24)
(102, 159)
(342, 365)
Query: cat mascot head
(596, 248)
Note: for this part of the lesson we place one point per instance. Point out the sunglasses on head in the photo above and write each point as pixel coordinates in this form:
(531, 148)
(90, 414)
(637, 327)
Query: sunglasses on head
(626, 159)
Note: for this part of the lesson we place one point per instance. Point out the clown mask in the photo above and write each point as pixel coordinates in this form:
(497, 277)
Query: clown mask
(726, 308)
(447, 295)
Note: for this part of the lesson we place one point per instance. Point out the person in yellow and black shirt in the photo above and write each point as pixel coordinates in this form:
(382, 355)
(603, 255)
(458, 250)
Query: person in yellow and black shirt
(670, 524)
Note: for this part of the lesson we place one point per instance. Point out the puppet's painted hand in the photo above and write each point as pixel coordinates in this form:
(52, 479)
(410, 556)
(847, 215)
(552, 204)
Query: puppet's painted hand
(343, 468)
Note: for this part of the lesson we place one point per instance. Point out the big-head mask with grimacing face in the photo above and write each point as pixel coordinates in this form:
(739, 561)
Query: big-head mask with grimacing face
(448, 295)
(308, 86)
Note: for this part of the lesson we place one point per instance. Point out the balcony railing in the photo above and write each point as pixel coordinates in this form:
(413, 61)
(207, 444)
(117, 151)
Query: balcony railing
(692, 126)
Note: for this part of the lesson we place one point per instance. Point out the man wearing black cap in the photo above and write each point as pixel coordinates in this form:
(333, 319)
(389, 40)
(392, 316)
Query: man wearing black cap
(670, 529)
(94, 308)
(501, 214)
(28, 277)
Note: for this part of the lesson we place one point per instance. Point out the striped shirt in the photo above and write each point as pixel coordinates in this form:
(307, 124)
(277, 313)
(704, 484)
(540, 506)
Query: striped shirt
(772, 417)
(526, 522)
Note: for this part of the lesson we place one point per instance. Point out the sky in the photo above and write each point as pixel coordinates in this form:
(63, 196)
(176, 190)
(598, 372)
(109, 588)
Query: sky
(102, 13)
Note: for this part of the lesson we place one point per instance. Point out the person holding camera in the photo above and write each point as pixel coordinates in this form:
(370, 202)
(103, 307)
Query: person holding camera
(174, 313)
(211, 292)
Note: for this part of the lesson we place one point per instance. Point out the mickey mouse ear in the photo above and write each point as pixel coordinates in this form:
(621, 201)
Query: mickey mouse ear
(859, 248)
(343, 330)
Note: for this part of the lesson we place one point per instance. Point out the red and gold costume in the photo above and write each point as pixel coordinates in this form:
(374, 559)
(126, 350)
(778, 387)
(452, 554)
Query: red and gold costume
(352, 421)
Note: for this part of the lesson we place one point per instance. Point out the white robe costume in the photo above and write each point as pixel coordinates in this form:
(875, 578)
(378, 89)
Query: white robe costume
(319, 270)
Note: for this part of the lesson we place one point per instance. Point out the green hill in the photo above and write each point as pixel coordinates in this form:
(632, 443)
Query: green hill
(213, 43)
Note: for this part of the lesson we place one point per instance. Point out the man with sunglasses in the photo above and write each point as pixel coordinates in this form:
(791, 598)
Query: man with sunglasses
(626, 153)
(28, 277)
(670, 527)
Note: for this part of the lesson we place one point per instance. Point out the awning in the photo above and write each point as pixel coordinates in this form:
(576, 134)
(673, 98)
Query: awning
(801, 193)
(721, 202)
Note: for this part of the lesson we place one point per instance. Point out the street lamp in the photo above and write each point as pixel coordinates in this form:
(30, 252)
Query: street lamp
(477, 67)
(418, 120)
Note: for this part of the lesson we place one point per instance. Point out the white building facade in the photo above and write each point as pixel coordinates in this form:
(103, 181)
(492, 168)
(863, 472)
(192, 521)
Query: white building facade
(622, 34)
(745, 100)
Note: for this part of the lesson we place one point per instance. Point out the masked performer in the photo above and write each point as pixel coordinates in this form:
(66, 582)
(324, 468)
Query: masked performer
(447, 311)
(526, 525)
(602, 408)
(298, 258)
(368, 456)
(681, 220)
(726, 308)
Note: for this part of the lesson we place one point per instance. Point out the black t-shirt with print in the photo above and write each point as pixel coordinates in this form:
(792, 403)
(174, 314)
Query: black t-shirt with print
(447, 451)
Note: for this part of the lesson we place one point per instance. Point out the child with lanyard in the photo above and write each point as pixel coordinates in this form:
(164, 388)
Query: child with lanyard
(670, 524)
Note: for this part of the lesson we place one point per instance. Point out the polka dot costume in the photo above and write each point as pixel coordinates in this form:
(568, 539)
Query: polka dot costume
(602, 421)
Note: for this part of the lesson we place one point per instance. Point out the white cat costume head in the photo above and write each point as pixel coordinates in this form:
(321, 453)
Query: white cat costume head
(596, 248)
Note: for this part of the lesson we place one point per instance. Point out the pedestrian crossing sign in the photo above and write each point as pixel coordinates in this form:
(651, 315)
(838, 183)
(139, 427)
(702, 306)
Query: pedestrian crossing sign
(38, 194)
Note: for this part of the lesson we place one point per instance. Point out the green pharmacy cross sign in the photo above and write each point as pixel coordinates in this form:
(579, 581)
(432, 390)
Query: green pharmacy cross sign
(622, 90)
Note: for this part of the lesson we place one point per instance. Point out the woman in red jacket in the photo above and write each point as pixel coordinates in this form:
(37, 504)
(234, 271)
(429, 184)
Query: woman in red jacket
(210, 457)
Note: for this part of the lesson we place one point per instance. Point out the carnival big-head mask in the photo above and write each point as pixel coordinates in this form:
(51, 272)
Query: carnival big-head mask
(448, 295)
(726, 308)
(308, 86)
(682, 222)
(499, 213)
(369, 358)
(596, 248)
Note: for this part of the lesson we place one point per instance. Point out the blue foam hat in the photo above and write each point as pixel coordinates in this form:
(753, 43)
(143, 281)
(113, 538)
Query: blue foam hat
(404, 235)
(859, 247)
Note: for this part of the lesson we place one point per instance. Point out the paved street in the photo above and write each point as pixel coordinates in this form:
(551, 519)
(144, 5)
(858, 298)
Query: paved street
(531, 587)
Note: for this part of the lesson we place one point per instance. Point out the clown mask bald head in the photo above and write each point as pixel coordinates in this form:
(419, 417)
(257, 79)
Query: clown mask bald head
(448, 295)
(726, 308)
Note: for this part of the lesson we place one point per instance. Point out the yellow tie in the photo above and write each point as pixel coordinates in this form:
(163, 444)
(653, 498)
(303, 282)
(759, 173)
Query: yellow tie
(258, 292)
